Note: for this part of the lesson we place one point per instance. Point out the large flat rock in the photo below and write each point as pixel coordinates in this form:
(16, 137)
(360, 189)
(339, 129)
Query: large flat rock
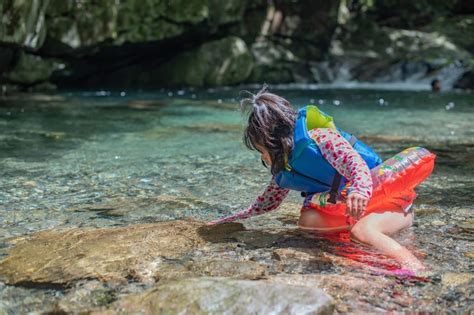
(108, 254)
(144, 253)
(224, 296)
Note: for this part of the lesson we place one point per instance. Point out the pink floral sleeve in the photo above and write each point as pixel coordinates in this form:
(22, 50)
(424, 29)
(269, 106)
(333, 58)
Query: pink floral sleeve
(342, 156)
(271, 198)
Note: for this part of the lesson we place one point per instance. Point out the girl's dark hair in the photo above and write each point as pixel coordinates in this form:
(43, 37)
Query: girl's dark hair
(270, 125)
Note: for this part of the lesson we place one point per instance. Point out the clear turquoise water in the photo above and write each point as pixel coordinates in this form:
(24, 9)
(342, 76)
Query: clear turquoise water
(93, 159)
(63, 155)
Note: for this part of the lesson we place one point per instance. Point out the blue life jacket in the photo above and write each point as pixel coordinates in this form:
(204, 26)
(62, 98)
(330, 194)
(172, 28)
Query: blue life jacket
(307, 170)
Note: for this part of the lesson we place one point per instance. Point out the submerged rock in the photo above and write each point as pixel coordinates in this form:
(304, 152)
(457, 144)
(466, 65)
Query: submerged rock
(301, 260)
(452, 279)
(56, 258)
(214, 128)
(144, 253)
(225, 296)
(346, 289)
(225, 268)
(92, 293)
(469, 254)
(122, 207)
(422, 211)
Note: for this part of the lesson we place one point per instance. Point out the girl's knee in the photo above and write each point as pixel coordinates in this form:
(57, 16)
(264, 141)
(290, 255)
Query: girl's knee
(387, 223)
(362, 233)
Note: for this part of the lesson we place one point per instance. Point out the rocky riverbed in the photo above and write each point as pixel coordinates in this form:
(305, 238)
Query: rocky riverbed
(104, 198)
(187, 266)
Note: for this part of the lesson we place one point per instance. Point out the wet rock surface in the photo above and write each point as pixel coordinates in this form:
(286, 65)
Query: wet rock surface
(225, 296)
(150, 266)
(106, 254)
(347, 290)
(90, 187)
(452, 279)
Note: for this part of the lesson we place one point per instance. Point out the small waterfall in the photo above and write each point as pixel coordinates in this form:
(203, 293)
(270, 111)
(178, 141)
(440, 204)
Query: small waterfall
(405, 75)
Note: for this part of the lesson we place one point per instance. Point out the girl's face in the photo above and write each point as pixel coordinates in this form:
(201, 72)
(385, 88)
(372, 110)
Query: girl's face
(265, 156)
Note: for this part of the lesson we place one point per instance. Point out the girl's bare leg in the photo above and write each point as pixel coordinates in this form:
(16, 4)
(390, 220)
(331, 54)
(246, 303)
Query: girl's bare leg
(374, 230)
(311, 220)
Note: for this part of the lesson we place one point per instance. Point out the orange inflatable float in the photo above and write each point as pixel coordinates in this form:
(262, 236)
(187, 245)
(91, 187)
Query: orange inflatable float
(393, 187)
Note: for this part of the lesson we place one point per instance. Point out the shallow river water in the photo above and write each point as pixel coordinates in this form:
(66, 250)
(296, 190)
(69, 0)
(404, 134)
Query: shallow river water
(103, 159)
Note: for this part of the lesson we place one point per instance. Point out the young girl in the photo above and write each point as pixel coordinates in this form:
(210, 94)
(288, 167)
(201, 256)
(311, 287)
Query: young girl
(341, 202)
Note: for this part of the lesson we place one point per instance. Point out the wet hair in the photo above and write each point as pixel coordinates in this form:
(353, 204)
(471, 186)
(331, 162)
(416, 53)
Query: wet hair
(271, 121)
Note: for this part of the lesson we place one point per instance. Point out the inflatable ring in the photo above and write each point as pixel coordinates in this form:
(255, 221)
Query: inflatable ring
(393, 187)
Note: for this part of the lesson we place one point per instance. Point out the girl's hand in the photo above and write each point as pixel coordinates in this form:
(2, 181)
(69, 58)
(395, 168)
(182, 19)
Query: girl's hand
(356, 204)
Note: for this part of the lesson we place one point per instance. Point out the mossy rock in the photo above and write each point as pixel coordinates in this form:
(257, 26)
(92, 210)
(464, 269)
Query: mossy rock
(221, 62)
(31, 69)
(458, 29)
(23, 23)
(88, 23)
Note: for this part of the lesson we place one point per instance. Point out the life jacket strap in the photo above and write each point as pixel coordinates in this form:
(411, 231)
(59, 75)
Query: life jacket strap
(337, 178)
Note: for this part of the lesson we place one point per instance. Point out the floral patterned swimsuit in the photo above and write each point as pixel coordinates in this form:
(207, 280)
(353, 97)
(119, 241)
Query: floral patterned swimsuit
(338, 152)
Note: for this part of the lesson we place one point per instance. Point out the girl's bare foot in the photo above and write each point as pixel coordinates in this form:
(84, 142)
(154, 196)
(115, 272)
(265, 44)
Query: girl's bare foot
(415, 265)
